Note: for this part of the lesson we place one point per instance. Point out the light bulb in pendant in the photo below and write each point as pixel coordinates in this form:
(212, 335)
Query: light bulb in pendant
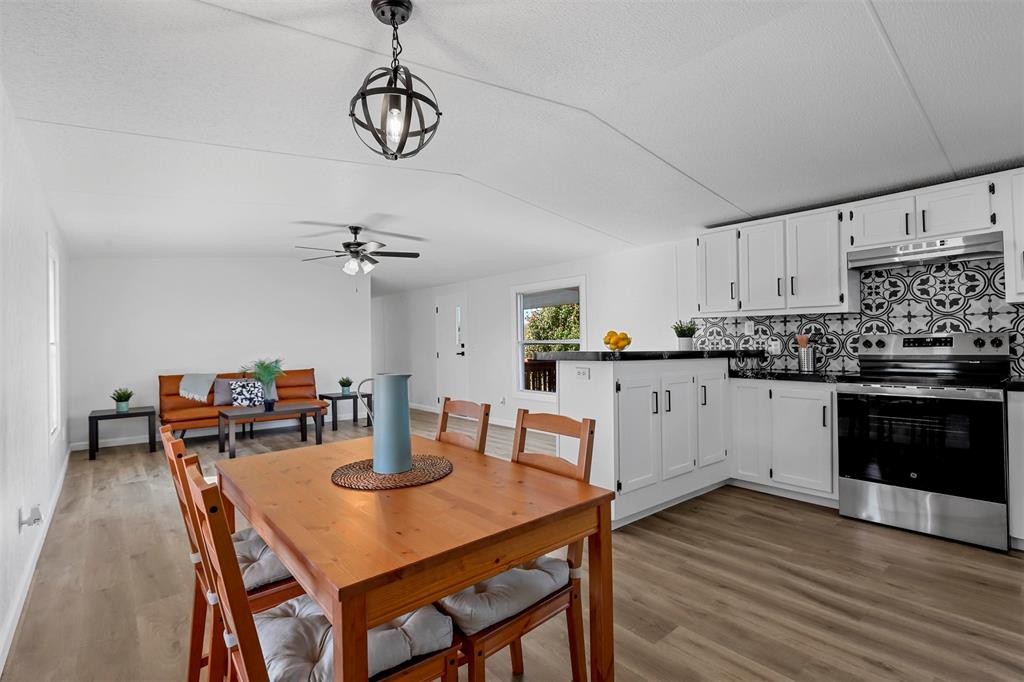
(351, 267)
(394, 121)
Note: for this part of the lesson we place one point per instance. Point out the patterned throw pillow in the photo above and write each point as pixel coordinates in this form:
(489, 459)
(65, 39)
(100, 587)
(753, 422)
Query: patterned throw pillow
(246, 392)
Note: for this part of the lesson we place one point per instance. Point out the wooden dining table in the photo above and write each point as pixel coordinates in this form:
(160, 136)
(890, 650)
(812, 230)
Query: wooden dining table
(368, 556)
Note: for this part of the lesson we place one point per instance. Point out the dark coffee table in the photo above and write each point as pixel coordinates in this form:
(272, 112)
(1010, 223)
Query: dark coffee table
(336, 397)
(230, 416)
(96, 416)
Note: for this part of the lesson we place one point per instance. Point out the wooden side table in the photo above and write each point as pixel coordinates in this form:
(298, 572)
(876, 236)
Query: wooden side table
(96, 416)
(337, 397)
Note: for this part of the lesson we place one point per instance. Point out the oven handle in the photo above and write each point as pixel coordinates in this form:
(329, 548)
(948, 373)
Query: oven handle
(985, 394)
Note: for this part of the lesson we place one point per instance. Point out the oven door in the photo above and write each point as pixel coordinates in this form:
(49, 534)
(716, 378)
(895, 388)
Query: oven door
(949, 441)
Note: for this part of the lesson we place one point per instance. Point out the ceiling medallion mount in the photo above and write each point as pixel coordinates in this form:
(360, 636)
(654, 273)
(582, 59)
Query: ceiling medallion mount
(394, 112)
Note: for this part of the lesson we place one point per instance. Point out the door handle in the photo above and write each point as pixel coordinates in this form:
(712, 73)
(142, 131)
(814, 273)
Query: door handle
(462, 353)
(655, 394)
(906, 222)
(778, 286)
(704, 397)
(792, 285)
(732, 290)
(924, 225)
(824, 415)
(668, 401)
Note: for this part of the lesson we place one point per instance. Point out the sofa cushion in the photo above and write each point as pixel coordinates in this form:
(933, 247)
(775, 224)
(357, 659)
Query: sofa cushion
(246, 392)
(297, 643)
(506, 594)
(259, 565)
(192, 414)
(222, 391)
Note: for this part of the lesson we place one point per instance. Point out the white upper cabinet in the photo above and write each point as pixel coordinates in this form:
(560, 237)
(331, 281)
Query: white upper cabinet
(717, 281)
(678, 424)
(813, 260)
(961, 208)
(881, 222)
(802, 437)
(763, 266)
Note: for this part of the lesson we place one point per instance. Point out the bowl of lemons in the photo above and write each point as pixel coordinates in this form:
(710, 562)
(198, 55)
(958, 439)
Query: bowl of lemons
(617, 341)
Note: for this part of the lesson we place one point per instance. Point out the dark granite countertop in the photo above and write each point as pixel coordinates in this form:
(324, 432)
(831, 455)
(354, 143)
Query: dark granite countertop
(791, 375)
(607, 355)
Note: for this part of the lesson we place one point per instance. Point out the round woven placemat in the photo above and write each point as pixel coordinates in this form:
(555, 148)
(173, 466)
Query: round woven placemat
(361, 476)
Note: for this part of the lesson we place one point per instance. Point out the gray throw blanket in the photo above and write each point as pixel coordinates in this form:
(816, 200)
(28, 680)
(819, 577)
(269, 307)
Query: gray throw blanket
(196, 386)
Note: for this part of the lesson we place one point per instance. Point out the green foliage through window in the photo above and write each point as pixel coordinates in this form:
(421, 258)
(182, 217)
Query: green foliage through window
(551, 323)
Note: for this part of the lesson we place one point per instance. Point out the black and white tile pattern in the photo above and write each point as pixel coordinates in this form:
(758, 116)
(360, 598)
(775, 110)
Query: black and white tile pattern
(943, 298)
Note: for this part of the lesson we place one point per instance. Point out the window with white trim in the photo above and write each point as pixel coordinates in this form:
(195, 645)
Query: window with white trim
(53, 341)
(547, 320)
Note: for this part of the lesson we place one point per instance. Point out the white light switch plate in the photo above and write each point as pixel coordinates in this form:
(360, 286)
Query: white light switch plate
(775, 347)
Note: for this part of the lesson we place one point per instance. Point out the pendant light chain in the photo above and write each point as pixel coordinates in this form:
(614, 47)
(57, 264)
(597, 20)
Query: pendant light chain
(396, 45)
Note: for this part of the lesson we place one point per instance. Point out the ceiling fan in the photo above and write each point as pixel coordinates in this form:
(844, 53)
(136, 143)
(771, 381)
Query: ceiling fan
(358, 252)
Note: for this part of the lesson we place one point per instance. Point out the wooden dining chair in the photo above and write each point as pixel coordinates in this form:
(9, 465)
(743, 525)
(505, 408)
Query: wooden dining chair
(464, 408)
(293, 641)
(269, 585)
(496, 613)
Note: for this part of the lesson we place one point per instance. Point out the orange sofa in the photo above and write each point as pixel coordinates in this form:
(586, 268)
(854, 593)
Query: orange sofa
(295, 386)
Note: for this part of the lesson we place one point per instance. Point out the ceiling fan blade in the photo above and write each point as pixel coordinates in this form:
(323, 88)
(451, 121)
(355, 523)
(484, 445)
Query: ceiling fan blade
(336, 255)
(319, 223)
(396, 235)
(396, 254)
(317, 248)
(370, 247)
(370, 259)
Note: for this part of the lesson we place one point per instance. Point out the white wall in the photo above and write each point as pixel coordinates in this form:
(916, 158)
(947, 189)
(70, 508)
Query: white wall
(132, 319)
(642, 291)
(32, 461)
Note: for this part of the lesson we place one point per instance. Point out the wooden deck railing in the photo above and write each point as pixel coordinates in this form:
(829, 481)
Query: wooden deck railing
(539, 375)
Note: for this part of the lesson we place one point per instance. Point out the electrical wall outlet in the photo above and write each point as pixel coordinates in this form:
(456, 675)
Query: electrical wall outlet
(775, 347)
(583, 373)
(34, 518)
(502, 400)
(748, 327)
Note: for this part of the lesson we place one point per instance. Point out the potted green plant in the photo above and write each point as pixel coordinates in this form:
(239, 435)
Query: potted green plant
(266, 372)
(346, 385)
(121, 396)
(685, 332)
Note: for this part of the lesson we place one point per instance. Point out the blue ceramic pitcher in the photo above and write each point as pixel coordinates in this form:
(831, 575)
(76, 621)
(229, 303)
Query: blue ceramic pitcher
(392, 440)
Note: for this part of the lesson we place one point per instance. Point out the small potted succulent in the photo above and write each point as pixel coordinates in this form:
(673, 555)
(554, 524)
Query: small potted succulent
(266, 372)
(346, 385)
(685, 332)
(121, 396)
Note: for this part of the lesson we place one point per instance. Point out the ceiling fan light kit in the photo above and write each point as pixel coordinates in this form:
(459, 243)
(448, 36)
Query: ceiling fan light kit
(394, 112)
(358, 252)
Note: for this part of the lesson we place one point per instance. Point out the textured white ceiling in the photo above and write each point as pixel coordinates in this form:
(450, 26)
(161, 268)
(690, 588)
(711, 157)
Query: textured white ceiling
(569, 127)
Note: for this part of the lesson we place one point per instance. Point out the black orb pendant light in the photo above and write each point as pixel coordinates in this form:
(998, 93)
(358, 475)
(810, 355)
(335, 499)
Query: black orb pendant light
(394, 113)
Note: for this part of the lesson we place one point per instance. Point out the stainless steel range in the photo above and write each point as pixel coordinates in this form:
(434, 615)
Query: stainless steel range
(922, 435)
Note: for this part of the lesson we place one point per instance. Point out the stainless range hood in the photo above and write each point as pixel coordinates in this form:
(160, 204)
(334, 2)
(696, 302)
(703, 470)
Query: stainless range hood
(941, 250)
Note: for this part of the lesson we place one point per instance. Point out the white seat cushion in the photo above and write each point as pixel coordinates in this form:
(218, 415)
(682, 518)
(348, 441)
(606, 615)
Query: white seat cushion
(297, 640)
(259, 565)
(506, 594)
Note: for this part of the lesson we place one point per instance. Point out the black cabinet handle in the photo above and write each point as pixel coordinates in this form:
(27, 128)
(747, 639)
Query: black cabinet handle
(792, 285)
(668, 401)
(462, 353)
(824, 416)
(732, 290)
(906, 222)
(655, 394)
(778, 286)
(924, 225)
(704, 399)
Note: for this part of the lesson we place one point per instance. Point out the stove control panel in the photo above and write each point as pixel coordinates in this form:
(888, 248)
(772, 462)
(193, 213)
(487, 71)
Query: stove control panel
(934, 345)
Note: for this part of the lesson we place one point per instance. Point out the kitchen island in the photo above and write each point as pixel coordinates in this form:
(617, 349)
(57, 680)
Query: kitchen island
(672, 425)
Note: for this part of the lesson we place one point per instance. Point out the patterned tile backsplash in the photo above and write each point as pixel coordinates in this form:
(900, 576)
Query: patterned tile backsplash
(942, 298)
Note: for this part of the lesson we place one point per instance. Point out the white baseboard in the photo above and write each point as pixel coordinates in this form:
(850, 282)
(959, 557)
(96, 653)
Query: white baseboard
(21, 593)
(626, 520)
(782, 492)
(1017, 543)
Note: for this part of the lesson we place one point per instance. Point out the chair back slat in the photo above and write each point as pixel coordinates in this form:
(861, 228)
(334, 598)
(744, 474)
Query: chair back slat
(226, 577)
(174, 452)
(470, 410)
(559, 425)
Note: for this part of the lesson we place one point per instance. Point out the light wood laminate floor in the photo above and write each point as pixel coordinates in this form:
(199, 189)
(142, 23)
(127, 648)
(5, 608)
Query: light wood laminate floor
(732, 585)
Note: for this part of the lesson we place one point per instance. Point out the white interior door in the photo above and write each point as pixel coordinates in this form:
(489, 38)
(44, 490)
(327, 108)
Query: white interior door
(450, 342)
